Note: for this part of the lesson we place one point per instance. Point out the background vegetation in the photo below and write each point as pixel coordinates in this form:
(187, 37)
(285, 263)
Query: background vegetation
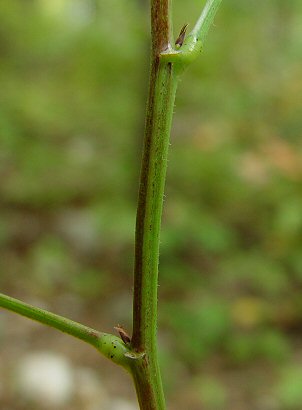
(73, 81)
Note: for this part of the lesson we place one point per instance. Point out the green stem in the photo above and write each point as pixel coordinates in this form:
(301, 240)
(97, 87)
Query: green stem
(159, 115)
(205, 20)
(193, 43)
(164, 76)
(109, 345)
(153, 174)
(163, 82)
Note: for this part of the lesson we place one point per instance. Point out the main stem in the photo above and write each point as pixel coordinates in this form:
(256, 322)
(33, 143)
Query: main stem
(154, 163)
(163, 83)
(166, 65)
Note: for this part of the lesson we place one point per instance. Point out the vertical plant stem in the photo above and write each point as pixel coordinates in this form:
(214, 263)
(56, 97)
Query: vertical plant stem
(163, 82)
(153, 173)
(166, 66)
(161, 103)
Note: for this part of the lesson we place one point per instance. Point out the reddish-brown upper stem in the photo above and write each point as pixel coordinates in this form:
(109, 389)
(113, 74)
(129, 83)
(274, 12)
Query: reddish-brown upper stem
(161, 26)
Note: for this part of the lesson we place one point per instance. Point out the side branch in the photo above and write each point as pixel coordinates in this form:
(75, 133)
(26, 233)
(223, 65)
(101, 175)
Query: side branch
(205, 20)
(193, 43)
(109, 345)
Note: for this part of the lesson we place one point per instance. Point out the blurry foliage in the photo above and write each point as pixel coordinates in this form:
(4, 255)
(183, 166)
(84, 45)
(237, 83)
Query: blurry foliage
(73, 80)
(212, 394)
(289, 390)
(199, 327)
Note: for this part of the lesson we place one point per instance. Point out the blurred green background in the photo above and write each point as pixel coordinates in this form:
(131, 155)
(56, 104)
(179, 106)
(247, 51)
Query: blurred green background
(73, 80)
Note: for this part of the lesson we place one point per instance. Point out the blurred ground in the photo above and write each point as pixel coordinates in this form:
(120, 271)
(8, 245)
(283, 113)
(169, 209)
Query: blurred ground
(73, 81)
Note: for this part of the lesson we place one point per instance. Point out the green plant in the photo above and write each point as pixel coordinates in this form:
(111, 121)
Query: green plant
(138, 354)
